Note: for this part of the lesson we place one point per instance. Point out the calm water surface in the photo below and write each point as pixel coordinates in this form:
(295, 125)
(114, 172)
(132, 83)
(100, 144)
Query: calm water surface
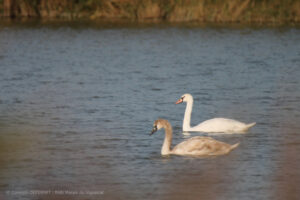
(77, 105)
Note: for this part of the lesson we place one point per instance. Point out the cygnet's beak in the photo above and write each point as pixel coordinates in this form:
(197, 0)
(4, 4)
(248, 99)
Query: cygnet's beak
(179, 101)
(154, 129)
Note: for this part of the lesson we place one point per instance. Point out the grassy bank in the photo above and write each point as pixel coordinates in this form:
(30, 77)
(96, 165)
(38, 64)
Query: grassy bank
(221, 11)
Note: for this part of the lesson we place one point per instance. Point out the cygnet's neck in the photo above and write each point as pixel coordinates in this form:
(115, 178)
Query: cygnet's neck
(187, 115)
(166, 148)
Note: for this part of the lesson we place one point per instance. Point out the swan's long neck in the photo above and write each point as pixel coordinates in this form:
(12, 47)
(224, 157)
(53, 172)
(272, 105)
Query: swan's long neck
(166, 148)
(187, 115)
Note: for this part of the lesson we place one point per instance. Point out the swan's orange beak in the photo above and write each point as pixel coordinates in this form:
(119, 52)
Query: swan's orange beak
(179, 101)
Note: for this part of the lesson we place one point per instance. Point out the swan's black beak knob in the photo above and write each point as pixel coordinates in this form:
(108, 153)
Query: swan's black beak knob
(154, 129)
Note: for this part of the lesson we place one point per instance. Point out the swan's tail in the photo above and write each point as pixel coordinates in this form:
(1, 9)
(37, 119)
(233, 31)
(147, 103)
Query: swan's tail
(248, 126)
(234, 146)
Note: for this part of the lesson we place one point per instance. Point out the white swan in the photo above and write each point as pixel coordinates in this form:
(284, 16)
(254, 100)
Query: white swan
(195, 146)
(215, 125)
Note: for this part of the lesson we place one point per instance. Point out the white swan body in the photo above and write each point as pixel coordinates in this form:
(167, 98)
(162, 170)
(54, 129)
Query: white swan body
(195, 146)
(215, 125)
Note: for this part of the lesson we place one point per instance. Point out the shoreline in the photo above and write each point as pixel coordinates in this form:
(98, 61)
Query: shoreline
(117, 23)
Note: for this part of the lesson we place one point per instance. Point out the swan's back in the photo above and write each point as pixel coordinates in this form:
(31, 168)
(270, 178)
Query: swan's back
(202, 146)
(222, 125)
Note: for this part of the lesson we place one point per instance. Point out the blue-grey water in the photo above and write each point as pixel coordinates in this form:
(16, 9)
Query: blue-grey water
(77, 105)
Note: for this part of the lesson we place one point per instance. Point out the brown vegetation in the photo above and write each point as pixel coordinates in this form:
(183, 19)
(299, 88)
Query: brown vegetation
(224, 11)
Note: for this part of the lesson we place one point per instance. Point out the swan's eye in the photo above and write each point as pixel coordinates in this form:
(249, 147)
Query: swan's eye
(182, 97)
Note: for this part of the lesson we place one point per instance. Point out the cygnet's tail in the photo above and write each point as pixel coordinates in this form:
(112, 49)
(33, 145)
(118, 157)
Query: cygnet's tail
(234, 146)
(248, 126)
